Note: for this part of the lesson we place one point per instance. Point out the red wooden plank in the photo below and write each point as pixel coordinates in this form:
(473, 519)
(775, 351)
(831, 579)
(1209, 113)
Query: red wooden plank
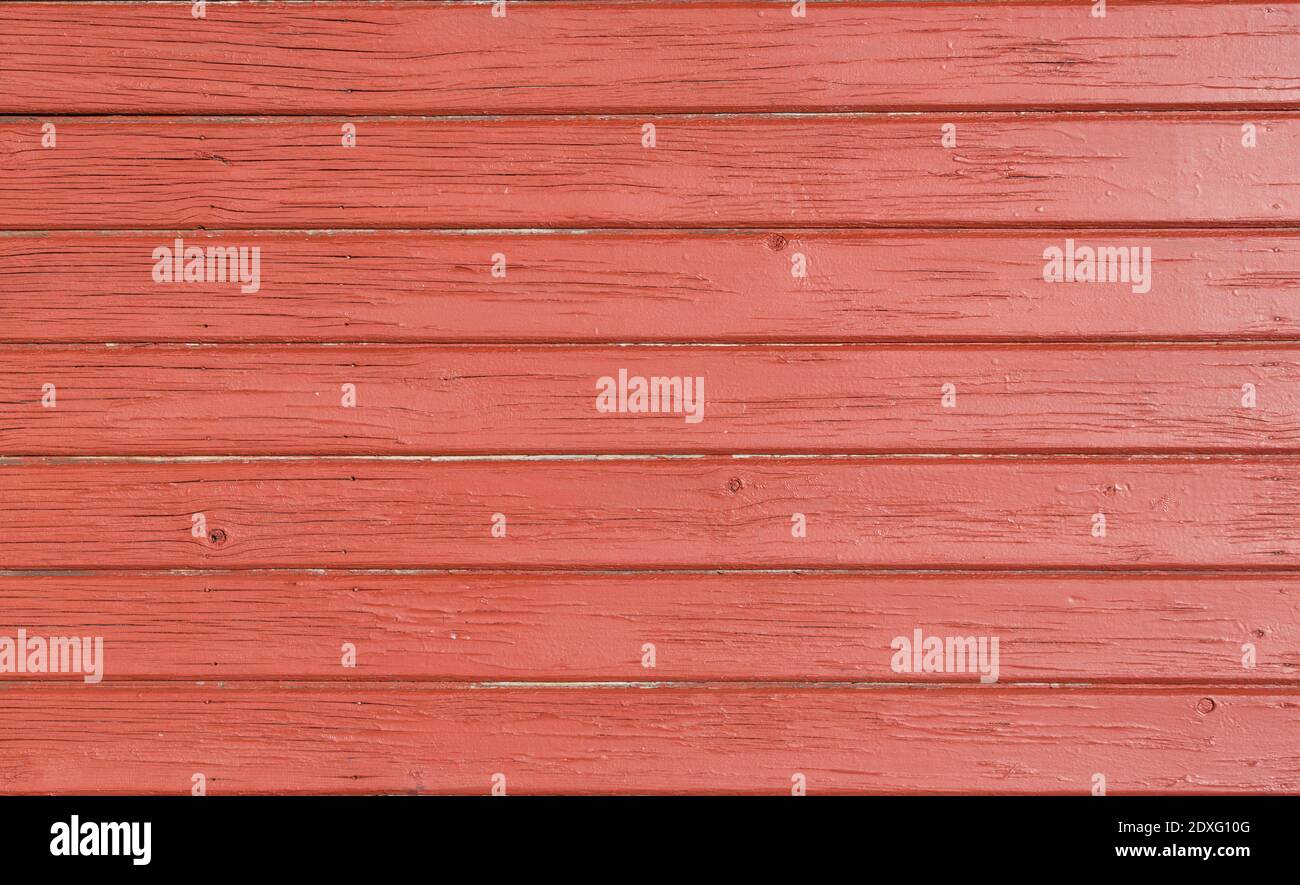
(666, 740)
(395, 399)
(647, 286)
(676, 513)
(579, 627)
(557, 57)
(705, 171)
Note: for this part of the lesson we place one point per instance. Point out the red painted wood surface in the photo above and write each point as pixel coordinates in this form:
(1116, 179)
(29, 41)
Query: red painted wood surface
(1102, 497)
(548, 399)
(706, 171)
(953, 512)
(412, 739)
(425, 286)
(564, 626)
(420, 58)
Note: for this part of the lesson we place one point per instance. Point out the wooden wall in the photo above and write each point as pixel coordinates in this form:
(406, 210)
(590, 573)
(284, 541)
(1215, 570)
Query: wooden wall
(355, 518)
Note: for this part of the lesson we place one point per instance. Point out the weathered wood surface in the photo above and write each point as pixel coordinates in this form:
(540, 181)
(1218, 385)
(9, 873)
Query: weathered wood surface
(564, 626)
(1130, 169)
(412, 739)
(421, 58)
(955, 512)
(396, 399)
(863, 199)
(428, 286)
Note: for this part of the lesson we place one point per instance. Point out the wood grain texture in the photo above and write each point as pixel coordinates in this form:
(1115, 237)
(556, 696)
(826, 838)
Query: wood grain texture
(1232, 513)
(418, 58)
(1100, 498)
(704, 627)
(160, 400)
(410, 739)
(412, 286)
(706, 171)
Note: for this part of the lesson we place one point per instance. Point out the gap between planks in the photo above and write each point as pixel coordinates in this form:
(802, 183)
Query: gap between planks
(352, 683)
